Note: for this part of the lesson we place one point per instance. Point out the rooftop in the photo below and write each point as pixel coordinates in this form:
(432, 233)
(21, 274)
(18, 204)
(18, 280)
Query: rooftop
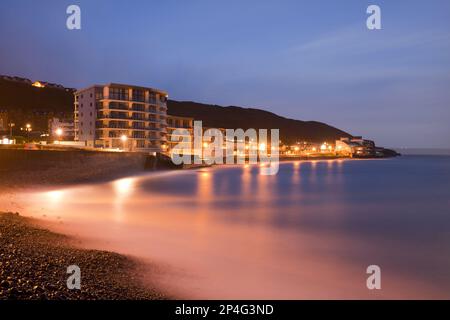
(121, 85)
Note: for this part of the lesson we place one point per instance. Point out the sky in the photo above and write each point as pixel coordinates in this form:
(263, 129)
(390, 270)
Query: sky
(306, 60)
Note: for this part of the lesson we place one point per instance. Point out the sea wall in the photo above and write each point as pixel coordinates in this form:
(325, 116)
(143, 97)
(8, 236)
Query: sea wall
(44, 167)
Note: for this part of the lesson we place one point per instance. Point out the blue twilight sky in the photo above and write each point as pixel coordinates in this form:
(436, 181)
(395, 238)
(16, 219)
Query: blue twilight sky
(309, 60)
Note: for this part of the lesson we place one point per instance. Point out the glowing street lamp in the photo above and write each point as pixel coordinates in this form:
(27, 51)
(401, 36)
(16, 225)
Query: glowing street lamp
(59, 132)
(124, 140)
(28, 129)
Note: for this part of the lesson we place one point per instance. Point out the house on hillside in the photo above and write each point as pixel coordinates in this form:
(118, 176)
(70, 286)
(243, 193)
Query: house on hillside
(355, 147)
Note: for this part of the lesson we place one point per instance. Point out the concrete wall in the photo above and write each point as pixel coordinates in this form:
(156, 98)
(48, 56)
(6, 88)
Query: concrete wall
(43, 167)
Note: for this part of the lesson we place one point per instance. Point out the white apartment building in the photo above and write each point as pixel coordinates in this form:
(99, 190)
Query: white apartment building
(119, 116)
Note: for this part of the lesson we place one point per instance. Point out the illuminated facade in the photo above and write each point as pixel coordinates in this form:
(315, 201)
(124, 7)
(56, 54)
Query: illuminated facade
(61, 128)
(118, 116)
(355, 147)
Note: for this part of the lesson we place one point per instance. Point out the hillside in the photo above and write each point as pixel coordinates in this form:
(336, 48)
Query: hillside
(20, 95)
(27, 103)
(237, 117)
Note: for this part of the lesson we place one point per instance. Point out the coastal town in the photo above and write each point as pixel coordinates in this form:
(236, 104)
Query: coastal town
(127, 118)
(223, 159)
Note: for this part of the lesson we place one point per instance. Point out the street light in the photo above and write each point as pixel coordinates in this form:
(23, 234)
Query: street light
(28, 129)
(59, 132)
(124, 139)
(11, 125)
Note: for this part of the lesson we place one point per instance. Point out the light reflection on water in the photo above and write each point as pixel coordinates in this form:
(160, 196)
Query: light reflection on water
(308, 232)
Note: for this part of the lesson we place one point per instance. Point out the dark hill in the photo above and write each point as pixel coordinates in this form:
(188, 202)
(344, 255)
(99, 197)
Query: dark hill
(21, 95)
(236, 117)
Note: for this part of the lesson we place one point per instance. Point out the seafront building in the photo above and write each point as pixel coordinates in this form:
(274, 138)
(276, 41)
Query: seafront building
(187, 134)
(120, 116)
(355, 147)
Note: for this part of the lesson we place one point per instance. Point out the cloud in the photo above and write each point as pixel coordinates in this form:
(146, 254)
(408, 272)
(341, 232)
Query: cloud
(355, 40)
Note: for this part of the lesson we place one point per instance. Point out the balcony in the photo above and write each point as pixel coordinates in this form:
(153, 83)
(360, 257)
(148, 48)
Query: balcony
(122, 97)
(113, 116)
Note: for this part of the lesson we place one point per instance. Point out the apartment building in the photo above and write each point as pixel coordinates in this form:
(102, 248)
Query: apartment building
(176, 122)
(120, 116)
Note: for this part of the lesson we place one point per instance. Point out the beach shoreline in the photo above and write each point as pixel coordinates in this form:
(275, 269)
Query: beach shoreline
(34, 264)
(59, 174)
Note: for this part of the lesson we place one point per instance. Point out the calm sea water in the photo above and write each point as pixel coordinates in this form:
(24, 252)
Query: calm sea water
(308, 232)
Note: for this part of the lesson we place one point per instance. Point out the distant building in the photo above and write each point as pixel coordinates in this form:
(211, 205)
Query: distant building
(43, 84)
(303, 148)
(126, 117)
(38, 84)
(355, 147)
(61, 128)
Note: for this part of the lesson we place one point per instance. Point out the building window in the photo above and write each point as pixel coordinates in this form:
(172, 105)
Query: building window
(138, 116)
(138, 95)
(152, 98)
(138, 134)
(118, 105)
(138, 107)
(98, 93)
(118, 94)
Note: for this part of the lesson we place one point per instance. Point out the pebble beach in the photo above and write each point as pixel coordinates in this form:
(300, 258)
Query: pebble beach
(34, 261)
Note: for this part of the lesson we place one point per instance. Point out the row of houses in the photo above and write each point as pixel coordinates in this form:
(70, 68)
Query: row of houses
(134, 118)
